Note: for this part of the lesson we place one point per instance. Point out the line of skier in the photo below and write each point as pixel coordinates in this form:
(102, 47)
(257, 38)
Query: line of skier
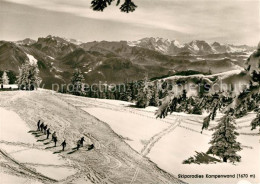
(44, 129)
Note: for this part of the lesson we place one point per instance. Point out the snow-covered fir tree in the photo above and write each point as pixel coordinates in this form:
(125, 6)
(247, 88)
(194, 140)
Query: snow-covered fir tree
(256, 122)
(154, 101)
(5, 79)
(223, 143)
(127, 93)
(206, 121)
(197, 109)
(77, 82)
(143, 94)
(163, 110)
(29, 77)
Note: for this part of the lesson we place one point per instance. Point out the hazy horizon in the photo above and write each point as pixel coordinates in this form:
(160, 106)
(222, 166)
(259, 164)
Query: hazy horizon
(227, 22)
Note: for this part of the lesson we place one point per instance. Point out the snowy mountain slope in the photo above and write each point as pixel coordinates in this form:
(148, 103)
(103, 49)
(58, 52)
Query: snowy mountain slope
(74, 41)
(162, 45)
(108, 162)
(20, 149)
(170, 145)
(32, 59)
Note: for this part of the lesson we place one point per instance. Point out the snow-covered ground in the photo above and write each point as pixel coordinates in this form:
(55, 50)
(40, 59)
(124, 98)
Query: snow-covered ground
(10, 86)
(132, 127)
(26, 156)
(185, 143)
(169, 151)
(18, 145)
(222, 75)
(166, 142)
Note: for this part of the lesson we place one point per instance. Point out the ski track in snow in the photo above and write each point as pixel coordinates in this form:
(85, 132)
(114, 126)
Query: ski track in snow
(147, 148)
(154, 139)
(25, 169)
(98, 145)
(110, 160)
(187, 123)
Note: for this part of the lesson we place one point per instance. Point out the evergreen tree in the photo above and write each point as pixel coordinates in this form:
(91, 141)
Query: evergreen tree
(224, 142)
(214, 112)
(12, 77)
(256, 76)
(216, 104)
(184, 95)
(197, 110)
(173, 105)
(206, 121)
(1, 82)
(164, 108)
(132, 92)
(154, 101)
(128, 6)
(100, 5)
(256, 122)
(144, 94)
(127, 94)
(77, 82)
(5, 79)
(29, 77)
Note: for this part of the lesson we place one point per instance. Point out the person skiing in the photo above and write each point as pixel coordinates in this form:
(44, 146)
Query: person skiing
(45, 129)
(38, 125)
(78, 144)
(91, 146)
(41, 126)
(55, 141)
(48, 133)
(54, 135)
(81, 141)
(63, 144)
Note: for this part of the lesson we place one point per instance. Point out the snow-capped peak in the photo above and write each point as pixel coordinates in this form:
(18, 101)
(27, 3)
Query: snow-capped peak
(177, 44)
(74, 41)
(158, 44)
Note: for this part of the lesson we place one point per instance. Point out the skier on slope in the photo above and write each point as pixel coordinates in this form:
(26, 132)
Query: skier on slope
(81, 141)
(91, 146)
(63, 144)
(41, 126)
(78, 144)
(55, 141)
(38, 125)
(54, 135)
(45, 129)
(48, 133)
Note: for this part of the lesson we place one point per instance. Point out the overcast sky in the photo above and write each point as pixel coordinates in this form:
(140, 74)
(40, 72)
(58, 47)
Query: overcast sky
(226, 21)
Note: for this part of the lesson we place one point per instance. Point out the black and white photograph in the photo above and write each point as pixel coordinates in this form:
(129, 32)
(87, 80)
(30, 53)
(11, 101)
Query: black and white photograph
(129, 91)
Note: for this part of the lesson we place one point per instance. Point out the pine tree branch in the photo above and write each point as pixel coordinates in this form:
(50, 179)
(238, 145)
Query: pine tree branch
(100, 5)
(128, 6)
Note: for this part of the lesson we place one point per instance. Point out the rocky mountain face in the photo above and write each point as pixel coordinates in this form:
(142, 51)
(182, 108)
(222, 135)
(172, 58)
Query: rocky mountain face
(26, 41)
(116, 62)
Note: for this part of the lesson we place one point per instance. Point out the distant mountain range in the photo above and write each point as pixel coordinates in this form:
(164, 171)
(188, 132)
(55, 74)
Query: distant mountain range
(197, 47)
(121, 61)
